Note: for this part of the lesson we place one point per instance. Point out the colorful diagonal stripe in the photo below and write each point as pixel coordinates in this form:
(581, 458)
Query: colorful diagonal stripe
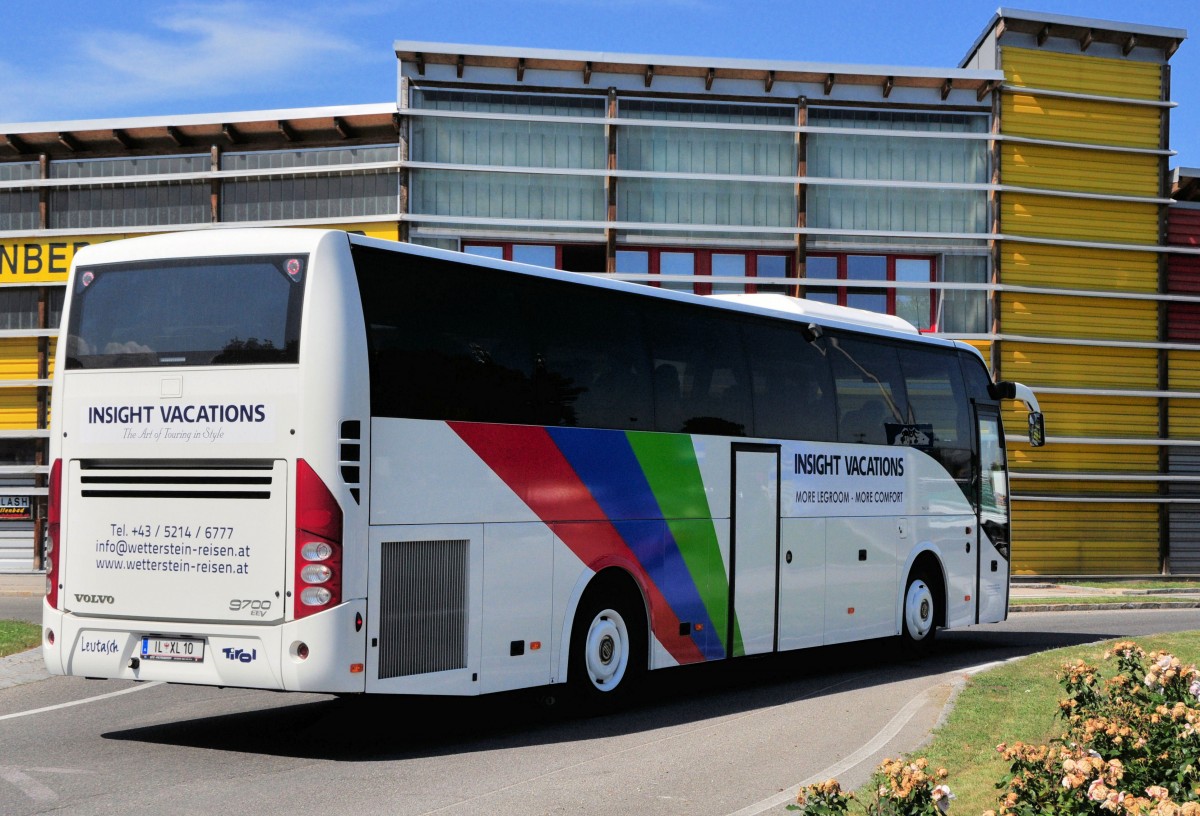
(646, 493)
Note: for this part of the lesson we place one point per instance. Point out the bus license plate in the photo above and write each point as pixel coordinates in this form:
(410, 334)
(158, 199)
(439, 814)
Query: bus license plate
(186, 650)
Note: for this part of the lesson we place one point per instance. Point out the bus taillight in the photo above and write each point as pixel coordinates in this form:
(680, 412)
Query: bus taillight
(53, 525)
(318, 575)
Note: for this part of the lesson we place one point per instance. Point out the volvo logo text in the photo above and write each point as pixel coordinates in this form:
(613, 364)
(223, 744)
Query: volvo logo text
(94, 599)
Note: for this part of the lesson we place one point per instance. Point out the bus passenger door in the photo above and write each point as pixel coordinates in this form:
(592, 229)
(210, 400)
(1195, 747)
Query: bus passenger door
(995, 548)
(754, 549)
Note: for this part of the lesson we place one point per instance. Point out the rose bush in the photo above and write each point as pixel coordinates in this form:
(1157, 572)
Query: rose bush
(1131, 747)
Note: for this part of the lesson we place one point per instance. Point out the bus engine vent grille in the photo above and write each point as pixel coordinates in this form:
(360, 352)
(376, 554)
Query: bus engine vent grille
(422, 607)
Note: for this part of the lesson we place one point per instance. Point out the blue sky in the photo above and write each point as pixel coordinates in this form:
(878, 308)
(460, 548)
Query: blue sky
(83, 59)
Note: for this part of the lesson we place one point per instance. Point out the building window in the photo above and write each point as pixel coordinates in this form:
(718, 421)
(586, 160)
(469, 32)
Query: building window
(568, 257)
(342, 194)
(714, 271)
(138, 204)
(916, 304)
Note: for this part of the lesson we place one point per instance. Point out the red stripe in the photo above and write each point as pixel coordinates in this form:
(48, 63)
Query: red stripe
(533, 467)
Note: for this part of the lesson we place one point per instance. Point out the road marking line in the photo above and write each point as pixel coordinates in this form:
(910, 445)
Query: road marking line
(33, 711)
(876, 744)
(27, 784)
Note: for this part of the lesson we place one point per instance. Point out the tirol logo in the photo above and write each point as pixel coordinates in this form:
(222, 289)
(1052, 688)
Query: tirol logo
(94, 599)
(240, 655)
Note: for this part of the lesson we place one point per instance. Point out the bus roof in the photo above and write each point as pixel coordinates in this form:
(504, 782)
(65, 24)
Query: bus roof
(257, 240)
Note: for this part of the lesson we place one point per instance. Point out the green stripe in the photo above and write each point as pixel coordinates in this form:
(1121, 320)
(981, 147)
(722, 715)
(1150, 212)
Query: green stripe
(669, 464)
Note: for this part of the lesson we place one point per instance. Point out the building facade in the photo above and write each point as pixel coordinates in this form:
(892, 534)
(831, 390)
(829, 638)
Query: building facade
(1020, 201)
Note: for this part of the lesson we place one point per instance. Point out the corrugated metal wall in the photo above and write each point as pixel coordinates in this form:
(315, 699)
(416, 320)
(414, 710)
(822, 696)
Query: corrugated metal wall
(1073, 512)
(1183, 325)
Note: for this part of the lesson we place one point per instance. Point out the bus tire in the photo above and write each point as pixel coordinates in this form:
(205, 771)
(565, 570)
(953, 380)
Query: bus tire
(608, 645)
(919, 612)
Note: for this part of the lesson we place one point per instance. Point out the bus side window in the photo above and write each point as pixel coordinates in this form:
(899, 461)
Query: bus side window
(710, 367)
(455, 347)
(793, 387)
(940, 410)
(592, 370)
(870, 389)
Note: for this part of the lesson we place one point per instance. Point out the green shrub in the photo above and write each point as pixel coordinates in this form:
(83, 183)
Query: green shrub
(1131, 747)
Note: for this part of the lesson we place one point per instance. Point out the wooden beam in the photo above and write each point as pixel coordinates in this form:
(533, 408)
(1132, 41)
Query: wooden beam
(1043, 35)
(888, 84)
(947, 86)
(770, 83)
(1085, 42)
(587, 73)
(829, 80)
(286, 131)
(230, 133)
(122, 138)
(462, 62)
(16, 143)
(343, 130)
(1171, 48)
(521, 69)
(396, 121)
(176, 136)
(420, 63)
(69, 142)
(984, 89)
(1129, 45)
(649, 75)
(709, 77)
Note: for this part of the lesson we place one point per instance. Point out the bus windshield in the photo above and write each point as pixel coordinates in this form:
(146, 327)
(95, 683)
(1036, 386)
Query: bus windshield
(198, 312)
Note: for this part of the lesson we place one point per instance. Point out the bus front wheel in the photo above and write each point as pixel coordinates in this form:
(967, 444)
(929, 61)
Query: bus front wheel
(920, 612)
(608, 654)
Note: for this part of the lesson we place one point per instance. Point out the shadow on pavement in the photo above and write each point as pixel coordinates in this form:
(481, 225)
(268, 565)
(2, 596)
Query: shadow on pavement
(391, 728)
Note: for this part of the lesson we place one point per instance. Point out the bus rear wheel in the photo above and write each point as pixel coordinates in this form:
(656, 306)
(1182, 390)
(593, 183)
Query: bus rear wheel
(608, 653)
(920, 612)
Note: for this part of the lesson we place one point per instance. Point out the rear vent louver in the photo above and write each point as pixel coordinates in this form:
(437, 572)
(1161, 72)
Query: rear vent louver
(205, 479)
(423, 607)
(350, 445)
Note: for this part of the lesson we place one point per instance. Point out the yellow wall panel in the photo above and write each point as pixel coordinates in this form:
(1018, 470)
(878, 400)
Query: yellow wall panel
(1079, 219)
(1079, 366)
(1088, 416)
(1057, 267)
(1061, 457)
(18, 409)
(18, 358)
(1089, 171)
(1184, 368)
(1084, 539)
(1184, 418)
(1068, 487)
(1079, 73)
(1063, 316)
(1082, 121)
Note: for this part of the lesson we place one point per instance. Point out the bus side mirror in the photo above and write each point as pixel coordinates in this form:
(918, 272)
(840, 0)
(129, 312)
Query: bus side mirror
(1037, 429)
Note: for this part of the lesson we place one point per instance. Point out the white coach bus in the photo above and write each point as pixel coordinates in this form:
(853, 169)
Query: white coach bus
(314, 461)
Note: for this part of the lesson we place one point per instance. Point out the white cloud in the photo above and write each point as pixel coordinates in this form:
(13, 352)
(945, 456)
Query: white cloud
(192, 51)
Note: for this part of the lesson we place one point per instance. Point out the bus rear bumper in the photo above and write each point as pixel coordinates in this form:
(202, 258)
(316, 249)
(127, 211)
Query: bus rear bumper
(320, 653)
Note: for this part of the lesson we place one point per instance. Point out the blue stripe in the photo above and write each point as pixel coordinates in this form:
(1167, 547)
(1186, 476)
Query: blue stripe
(607, 466)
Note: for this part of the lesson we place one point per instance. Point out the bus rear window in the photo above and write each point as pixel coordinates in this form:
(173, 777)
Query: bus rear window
(196, 312)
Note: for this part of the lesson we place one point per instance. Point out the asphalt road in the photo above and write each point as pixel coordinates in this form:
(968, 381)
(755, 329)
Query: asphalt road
(708, 740)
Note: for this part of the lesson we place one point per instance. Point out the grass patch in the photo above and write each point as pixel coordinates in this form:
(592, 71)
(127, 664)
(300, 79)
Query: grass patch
(17, 636)
(1095, 599)
(1017, 702)
(1118, 585)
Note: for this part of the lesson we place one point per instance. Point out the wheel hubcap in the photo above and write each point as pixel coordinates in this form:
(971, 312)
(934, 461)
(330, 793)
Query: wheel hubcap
(918, 610)
(607, 650)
